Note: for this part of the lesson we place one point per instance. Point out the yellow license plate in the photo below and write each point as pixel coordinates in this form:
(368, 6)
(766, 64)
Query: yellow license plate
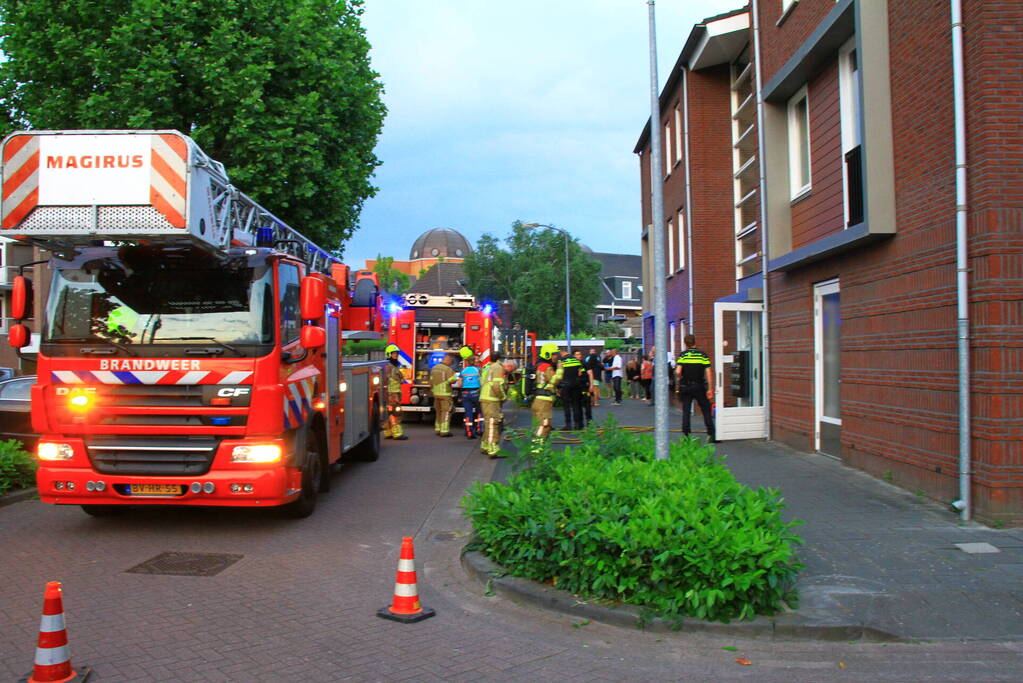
(155, 490)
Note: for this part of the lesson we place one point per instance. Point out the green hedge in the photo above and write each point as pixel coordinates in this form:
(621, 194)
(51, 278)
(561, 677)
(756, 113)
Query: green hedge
(606, 520)
(363, 346)
(17, 468)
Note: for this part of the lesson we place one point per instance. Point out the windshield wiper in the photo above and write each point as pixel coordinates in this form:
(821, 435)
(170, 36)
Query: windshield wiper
(229, 347)
(94, 340)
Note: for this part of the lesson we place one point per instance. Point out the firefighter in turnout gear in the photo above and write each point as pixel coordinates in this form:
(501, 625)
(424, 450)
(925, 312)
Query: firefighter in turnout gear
(394, 380)
(492, 395)
(544, 391)
(695, 382)
(441, 379)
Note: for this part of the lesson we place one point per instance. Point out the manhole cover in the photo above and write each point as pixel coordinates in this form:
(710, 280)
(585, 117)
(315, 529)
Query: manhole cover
(186, 564)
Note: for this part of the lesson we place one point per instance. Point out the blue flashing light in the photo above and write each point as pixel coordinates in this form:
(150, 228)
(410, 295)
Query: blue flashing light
(394, 308)
(220, 421)
(265, 237)
(488, 309)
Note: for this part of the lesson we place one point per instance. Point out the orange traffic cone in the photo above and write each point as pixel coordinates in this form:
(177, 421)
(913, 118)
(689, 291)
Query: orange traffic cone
(53, 661)
(406, 607)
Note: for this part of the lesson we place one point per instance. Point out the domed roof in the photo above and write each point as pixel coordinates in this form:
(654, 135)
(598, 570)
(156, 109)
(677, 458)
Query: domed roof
(440, 242)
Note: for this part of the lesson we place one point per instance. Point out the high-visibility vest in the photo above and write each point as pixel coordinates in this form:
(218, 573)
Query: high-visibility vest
(394, 379)
(493, 383)
(441, 378)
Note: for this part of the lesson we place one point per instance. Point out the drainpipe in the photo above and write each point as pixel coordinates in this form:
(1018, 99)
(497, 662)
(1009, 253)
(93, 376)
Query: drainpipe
(962, 266)
(765, 363)
(689, 197)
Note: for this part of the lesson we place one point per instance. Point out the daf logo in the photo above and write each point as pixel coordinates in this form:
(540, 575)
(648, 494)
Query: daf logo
(67, 391)
(233, 391)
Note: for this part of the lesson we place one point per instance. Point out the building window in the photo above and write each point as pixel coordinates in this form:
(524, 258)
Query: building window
(851, 113)
(667, 149)
(681, 240)
(678, 133)
(671, 341)
(626, 289)
(671, 249)
(799, 144)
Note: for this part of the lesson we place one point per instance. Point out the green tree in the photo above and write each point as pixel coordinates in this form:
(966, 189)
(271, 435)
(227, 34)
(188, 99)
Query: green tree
(391, 280)
(530, 274)
(280, 91)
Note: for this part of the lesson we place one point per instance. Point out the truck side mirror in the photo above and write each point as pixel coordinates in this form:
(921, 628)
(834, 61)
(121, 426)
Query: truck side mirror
(21, 298)
(312, 337)
(18, 336)
(312, 298)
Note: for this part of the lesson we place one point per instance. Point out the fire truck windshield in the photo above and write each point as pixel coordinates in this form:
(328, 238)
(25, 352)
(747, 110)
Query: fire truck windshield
(142, 301)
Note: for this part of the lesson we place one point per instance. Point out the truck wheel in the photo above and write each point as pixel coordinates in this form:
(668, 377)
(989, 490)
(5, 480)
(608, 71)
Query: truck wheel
(369, 449)
(105, 510)
(312, 479)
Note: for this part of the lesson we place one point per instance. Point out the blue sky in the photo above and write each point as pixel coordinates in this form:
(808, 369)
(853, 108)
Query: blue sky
(514, 110)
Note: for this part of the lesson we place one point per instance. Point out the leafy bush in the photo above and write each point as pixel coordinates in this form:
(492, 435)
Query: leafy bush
(17, 468)
(607, 520)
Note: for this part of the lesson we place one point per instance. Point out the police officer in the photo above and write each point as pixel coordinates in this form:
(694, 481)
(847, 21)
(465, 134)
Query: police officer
(394, 379)
(695, 381)
(470, 392)
(569, 379)
(585, 377)
(544, 388)
(441, 379)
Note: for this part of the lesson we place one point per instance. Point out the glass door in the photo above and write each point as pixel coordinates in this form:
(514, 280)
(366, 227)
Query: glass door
(827, 318)
(738, 371)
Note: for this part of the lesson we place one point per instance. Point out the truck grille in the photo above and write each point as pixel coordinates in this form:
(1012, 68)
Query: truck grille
(160, 405)
(153, 395)
(153, 455)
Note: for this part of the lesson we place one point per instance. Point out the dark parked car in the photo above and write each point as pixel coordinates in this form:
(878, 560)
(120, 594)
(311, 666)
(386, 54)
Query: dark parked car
(15, 413)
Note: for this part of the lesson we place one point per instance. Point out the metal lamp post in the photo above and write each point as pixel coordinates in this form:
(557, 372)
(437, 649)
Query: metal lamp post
(568, 294)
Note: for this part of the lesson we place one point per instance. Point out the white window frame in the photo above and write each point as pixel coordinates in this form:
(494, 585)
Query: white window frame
(671, 340)
(796, 187)
(682, 242)
(667, 149)
(626, 289)
(678, 133)
(786, 5)
(671, 249)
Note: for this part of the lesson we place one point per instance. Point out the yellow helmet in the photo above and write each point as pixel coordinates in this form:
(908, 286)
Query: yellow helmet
(391, 348)
(465, 352)
(548, 350)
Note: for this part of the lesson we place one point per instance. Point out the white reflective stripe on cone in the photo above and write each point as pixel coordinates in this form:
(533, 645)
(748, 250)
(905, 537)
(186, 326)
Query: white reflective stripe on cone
(405, 590)
(51, 623)
(48, 656)
(406, 565)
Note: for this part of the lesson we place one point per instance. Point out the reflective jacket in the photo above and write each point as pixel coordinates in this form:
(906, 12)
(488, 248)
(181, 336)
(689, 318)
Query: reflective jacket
(493, 383)
(394, 378)
(441, 378)
(545, 382)
(694, 363)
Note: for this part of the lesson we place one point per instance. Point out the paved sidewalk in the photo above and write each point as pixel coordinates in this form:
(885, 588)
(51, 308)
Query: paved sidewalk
(876, 556)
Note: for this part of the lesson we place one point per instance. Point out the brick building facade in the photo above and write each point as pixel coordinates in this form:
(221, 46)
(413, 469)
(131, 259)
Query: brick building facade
(857, 147)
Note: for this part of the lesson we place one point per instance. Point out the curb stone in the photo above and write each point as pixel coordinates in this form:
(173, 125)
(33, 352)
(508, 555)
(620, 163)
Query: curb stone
(17, 497)
(787, 626)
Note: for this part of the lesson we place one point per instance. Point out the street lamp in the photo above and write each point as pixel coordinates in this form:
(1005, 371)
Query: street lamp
(568, 295)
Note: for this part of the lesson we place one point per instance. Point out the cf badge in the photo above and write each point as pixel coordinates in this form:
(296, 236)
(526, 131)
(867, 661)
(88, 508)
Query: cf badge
(226, 396)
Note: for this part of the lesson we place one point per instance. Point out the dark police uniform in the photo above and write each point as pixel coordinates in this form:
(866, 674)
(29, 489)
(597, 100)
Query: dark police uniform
(693, 385)
(571, 372)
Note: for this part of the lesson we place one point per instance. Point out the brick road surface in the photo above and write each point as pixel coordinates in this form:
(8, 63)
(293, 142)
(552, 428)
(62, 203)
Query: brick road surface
(301, 604)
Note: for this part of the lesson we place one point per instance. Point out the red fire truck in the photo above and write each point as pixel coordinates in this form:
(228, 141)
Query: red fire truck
(426, 327)
(191, 341)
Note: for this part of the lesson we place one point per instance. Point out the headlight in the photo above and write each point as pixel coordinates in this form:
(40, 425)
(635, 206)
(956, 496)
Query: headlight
(256, 453)
(54, 451)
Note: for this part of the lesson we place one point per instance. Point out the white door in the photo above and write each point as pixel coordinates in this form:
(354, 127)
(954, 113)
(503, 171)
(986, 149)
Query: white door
(738, 371)
(827, 319)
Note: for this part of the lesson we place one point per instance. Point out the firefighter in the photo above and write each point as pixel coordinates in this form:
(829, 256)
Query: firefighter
(470, 392)
(543, 391)
(492, 395)
(441, 379)
(569, 380)
(695, 382)
(394, 380)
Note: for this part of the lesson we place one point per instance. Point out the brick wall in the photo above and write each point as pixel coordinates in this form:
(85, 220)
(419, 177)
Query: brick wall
(780, 42)
(898, 357)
